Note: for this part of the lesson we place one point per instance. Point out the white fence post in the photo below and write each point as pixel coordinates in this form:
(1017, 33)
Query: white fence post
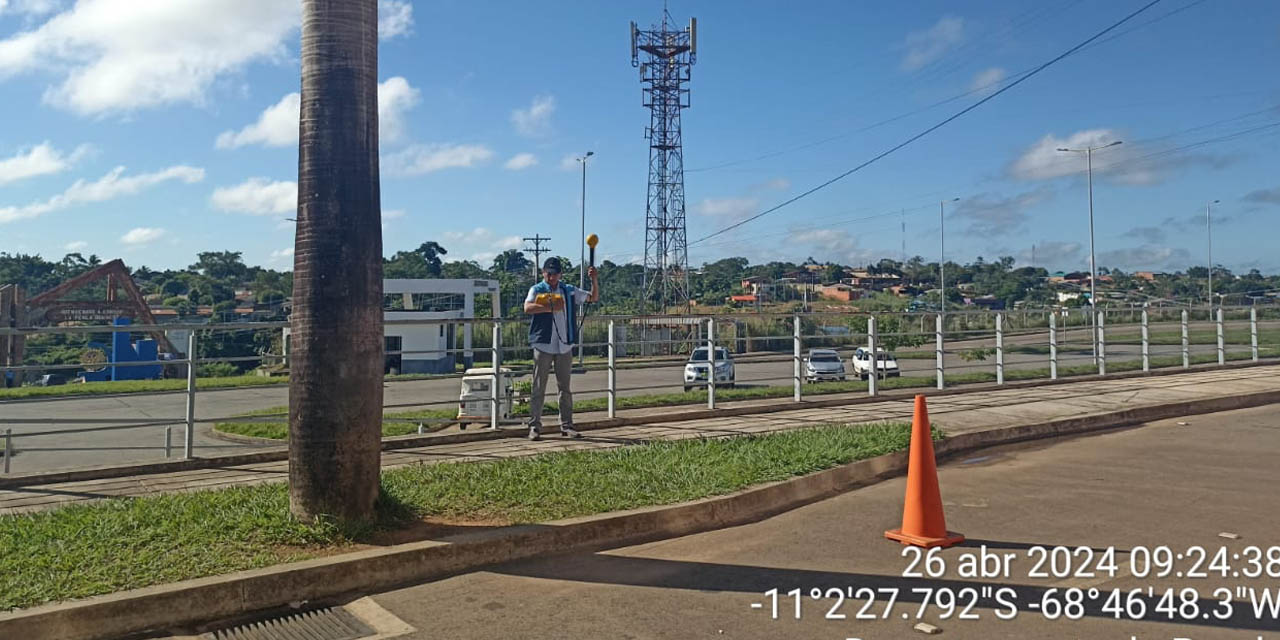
(495, 358)
(798, 382)
(711, 363)
(872, 378)
(1186, 343)
(1222, 348)
(1053, 346)
(613, 374)
(8, 448)
(168, 441)
(1253, 332)
(188, 445)
(999, 348)
(938, 320)
(1102, 344)
(1146, 343)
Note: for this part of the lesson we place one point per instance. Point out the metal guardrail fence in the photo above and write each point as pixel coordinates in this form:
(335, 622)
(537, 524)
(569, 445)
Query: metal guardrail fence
(634, 343)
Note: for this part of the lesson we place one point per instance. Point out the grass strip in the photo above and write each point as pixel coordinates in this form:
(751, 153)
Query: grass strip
(103, 547)
(280, 430)
(138, 386)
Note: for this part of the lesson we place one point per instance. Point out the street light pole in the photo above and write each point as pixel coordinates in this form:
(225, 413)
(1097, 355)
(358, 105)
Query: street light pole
(1093, 264)
(942, 261)
(1208, 227)
(582, 248)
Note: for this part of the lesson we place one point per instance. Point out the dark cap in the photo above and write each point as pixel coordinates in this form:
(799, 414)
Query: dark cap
(552, 265)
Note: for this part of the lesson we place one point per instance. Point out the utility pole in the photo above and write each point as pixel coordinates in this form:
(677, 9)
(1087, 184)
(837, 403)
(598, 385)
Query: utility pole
(1208, 228)
(903, 214)
(537, 250)
(942, 261)
(1093, 265)
(582, 250)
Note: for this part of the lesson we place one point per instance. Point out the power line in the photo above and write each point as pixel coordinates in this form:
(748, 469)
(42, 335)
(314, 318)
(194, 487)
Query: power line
(936, 126)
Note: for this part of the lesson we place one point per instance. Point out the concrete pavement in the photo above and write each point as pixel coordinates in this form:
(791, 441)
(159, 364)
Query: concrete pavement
(958, 413)
(1177, 483)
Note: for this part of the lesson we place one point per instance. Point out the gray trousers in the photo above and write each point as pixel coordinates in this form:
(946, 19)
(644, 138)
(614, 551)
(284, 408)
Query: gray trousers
(542, 365)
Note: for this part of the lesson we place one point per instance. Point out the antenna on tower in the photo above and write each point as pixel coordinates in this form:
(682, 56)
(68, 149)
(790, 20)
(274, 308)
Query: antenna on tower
(668, 55)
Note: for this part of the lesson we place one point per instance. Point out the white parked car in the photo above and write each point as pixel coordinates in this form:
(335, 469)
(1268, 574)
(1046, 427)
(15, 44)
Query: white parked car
(823, 364)
(886, 364)
(696, 370)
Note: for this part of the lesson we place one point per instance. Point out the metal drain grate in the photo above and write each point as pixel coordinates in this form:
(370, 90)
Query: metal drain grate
(321, 624)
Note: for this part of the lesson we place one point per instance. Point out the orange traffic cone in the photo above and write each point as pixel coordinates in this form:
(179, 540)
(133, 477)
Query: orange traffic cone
(923, 524)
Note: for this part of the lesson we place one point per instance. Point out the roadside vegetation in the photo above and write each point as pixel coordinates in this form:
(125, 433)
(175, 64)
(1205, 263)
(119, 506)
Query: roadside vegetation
(103, 547)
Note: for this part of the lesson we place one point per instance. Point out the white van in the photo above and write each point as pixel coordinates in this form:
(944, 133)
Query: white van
(474, 400)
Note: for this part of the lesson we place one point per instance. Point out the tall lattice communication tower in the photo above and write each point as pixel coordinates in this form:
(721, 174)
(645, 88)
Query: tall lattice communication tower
(668, 56)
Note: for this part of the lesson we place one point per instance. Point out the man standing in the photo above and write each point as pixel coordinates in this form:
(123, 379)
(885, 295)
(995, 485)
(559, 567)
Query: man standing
(553, 332)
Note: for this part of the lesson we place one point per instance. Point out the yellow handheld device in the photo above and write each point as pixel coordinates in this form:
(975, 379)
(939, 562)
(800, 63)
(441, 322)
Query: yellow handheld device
(548, 299)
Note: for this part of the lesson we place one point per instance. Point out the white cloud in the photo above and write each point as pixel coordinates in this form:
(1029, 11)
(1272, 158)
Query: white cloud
(281, 255)
(776, 184)
(521, 161)
(395, 97)
(1150, 235)
(395, 18)
(992, 214)
(827, 245)
(481, 243)
(257, 196)
(142, 236)
(1146, 257)
(42, 159)
(112, 185)
(534, 121)
(928, 45)
(727, 207)
(76, 245)
(392, 214)
(1043, 161)
(425, 158)
(277, 125)
(123, 55)
(29, 7)
(569, 162)
(987, 80)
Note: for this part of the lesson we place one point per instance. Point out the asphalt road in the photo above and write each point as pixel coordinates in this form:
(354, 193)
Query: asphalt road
(1176, 483)
(72, 450)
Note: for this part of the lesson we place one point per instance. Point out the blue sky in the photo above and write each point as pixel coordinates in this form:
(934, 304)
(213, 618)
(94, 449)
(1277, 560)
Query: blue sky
(153, 130)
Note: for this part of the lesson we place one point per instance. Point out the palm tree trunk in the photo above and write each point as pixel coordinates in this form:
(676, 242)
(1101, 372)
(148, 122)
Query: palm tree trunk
(335, 381)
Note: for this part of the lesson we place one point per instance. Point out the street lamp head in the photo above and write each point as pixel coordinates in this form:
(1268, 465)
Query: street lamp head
(955, 199)
(590, 153)
(1216, 201)
(1063, 149)
(1115, 143)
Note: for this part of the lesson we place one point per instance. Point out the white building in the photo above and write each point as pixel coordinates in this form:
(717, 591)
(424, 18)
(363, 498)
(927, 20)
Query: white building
(416, 322)
(423, 345)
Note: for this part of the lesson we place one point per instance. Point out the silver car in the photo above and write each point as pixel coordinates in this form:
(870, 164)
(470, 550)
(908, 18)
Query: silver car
(697, 369)
(823, 365)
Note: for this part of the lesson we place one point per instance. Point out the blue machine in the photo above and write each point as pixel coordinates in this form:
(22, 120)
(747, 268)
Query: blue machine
(122, 350)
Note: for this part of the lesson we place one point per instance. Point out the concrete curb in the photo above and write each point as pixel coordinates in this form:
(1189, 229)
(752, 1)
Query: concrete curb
(188, 603)
(277, 454)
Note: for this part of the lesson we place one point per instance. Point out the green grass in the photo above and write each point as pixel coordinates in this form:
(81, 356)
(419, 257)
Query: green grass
(280, 430)
(138, 386)
(86, 550)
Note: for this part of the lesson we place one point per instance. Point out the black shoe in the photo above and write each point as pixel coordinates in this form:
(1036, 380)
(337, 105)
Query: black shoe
(534, 434)
(570, 432)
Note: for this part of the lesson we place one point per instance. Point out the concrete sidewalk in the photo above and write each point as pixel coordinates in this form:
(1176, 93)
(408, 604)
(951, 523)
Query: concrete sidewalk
(1174, 482)
(955, 414)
